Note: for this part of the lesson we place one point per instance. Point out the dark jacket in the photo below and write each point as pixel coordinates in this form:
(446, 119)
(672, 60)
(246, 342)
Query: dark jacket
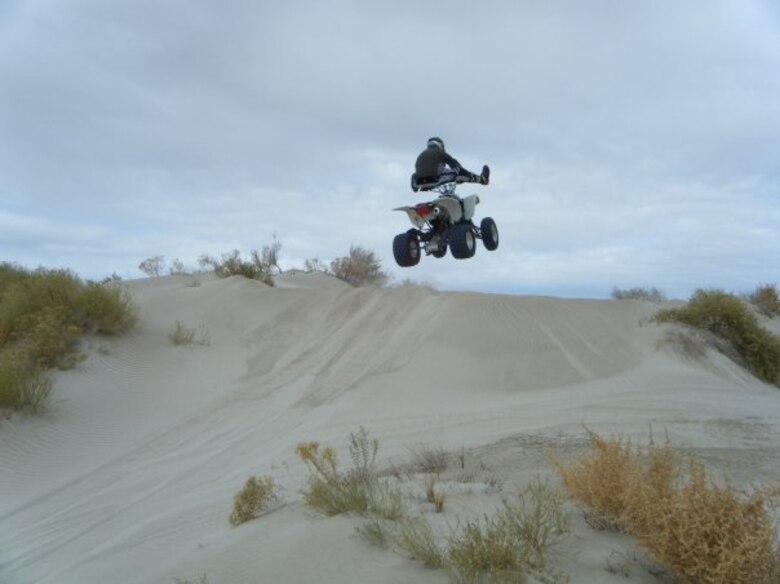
(430, 163)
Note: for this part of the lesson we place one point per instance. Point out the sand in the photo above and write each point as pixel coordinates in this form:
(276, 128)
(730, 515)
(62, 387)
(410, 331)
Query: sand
(130, 474)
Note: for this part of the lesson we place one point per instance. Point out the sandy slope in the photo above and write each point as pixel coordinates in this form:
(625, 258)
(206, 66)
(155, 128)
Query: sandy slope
(130, 476)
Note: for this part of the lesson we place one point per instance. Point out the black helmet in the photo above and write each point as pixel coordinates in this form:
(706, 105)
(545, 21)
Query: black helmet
(435, 142)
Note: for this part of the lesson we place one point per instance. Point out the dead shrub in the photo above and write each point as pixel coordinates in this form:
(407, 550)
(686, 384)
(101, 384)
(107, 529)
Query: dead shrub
(360, 268)
(698, 531)
(766, 299)
(253, 499)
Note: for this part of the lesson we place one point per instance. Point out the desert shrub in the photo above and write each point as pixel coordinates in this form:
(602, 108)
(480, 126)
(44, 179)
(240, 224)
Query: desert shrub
(43, 313)
(231, 264)
(727, 317)
(516, 541)
(360, 268)
(700, 532)
(152, 266)
(334, 491)
(23, 387)
(649, 294)
(416, 540)
(182, 335)
(375, 532)
(314, 265)
(766, 299)
(257, 494)
(270, 254)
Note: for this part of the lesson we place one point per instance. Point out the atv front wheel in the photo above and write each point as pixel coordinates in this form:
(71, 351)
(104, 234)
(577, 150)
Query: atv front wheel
(406, 249)
(489, 233)
(463, 244)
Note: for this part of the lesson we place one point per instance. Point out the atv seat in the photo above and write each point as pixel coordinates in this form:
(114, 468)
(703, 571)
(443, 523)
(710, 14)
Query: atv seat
(431, 182)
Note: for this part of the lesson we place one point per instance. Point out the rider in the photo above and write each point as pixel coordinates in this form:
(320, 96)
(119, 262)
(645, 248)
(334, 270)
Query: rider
(434, 167)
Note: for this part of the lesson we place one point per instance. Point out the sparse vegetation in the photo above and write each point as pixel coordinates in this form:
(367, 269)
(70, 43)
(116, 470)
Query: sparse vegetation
(232, 264)
(416, 540)
(270, 254)
(360, 268)
(257, 494)
(358, 489)
(152, 266)
(766, 300)
(725, 316)
(648, 294)
(701, 533)
(429, 459)
(182, 335)
(517, 541)
(43, 313)
(315, 265)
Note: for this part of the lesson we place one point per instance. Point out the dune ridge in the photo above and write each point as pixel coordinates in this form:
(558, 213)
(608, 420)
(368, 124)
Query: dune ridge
(130, 475)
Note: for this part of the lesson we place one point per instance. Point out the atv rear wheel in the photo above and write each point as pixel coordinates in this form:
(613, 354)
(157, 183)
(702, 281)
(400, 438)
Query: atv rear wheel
(406, 249)
(463, 244)
(489, 232)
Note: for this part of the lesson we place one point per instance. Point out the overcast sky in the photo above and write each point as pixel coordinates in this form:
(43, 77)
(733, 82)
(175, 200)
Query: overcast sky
(631, 143)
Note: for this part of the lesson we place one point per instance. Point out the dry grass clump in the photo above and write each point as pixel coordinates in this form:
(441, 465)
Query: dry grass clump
(429, 459)
(700, 532)
(648, 294)
(416, 540)
(257, 494)
(727, 317)
(231, 264)
(360, 268)
(358, 489)
(43, 313)
(766, 299)
(182, 335)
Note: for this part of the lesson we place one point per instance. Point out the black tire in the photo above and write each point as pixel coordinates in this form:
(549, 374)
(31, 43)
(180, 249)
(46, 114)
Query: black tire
(489, 232)
(406, 249)
(463, 244)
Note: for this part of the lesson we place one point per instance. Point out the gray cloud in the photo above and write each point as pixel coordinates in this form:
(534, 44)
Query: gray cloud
(630, 142)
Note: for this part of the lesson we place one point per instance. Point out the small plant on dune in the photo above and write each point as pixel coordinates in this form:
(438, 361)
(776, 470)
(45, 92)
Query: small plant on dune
(429, 459)
(432, 495)
(232, 264)
(699, 531)
(648, 294)
(358, 489)
(766, 299)
(360, 268)
(43, 314)
(257, 494)
(182, 335)
(725, 316)
(517, 541)
(416, 540)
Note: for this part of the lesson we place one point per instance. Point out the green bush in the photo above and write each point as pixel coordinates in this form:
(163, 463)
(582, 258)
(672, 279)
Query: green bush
(43, 313)
(725, 316)
(256, 268)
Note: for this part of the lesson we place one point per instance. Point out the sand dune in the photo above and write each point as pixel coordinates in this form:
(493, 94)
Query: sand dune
(129, 477)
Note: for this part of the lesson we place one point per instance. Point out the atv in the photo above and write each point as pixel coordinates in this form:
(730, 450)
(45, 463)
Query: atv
(444, 222)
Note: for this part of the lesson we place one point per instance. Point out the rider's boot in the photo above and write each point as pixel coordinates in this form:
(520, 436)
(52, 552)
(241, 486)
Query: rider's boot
(484, 178)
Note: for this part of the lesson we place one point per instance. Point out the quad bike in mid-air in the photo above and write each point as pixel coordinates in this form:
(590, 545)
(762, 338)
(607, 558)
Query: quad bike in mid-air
(446, 221)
